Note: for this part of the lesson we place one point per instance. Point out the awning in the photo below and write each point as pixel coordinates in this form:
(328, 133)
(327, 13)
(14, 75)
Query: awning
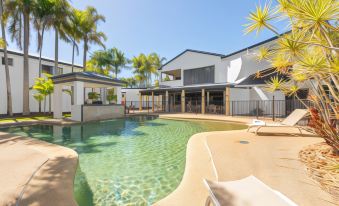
(91, 79)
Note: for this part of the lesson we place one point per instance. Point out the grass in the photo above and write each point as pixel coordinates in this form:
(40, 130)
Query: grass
(25, 119)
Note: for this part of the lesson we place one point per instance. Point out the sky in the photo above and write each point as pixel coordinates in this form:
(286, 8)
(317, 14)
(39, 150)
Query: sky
(166, 27)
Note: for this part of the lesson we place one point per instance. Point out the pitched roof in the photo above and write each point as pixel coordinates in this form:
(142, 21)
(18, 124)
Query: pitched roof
(86, 77)
(266, 74)
(192, 50)
(43, 58)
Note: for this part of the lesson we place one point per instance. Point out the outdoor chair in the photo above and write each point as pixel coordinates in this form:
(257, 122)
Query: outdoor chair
(290, 121)
(249, 191)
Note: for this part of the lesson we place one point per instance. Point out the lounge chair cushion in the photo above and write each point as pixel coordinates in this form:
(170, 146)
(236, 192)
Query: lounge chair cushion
(245, 192)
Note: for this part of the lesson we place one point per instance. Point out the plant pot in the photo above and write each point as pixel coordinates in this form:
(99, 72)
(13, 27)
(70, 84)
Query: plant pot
(89, 101)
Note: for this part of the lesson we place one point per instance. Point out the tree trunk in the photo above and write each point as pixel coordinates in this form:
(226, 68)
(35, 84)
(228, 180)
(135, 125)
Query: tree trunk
(8, 81)
(25, 109)
(45, 105)
(56, 50)
(40, 53)
(116, 72)
(85, 55)
(73, 56)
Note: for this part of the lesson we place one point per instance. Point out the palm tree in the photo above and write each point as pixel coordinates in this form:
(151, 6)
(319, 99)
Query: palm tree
(146, 66)
(89, 22)
(8, 81)
(74, 32)
(100, 62)
(19, 12)
(118, 60)
(42, 20)
(61, 13)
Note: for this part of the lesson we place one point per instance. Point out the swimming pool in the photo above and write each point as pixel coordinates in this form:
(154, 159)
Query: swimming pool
(132, 161)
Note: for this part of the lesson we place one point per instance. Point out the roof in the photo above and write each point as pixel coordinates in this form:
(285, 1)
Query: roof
(267, 74)
(223, 55)
(255, 45)
(89, 77)
(43, 58)
(192, 50)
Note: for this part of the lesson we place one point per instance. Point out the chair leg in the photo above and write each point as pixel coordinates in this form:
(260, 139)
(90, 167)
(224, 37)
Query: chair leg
(257, 130)
(300, 130)
(208, 201)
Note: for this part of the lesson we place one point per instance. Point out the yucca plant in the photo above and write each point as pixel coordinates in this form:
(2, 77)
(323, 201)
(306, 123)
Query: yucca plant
(308, 55)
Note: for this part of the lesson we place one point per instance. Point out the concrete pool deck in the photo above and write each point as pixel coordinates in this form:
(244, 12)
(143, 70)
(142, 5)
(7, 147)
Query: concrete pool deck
(36, 173)
(273, 158)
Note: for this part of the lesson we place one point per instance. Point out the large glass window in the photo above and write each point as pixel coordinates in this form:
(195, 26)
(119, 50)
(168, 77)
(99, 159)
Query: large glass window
(202, 75)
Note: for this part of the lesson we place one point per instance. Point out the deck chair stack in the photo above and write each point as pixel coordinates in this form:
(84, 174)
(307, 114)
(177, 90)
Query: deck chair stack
(290, 121)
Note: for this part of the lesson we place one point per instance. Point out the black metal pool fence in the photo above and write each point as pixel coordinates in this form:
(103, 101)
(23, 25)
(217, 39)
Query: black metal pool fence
(257, 108)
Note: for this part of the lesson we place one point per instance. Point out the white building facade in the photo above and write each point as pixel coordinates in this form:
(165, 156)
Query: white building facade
(16, 77)
(205, 82)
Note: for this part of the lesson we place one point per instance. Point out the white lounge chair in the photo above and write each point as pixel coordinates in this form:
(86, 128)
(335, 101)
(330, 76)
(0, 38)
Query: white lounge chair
(290, 121)
(249, 191)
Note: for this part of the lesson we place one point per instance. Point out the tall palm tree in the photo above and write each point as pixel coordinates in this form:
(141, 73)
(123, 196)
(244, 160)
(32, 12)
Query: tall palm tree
(89, 22)
(42, 20)
(61, 13)
(118, 60)
(8, 81)
(19, 12)
(74, 32)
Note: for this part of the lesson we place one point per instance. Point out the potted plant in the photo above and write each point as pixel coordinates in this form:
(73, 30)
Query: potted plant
(92, 96)
(111, 97)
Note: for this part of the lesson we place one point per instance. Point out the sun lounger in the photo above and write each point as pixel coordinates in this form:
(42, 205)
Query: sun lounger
(290, 121)
(249, 191)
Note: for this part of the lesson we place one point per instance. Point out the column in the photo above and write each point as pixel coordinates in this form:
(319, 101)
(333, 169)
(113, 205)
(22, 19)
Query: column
(208, 99)
(57, 104)
(227, 101)
(203, 101)
(166, 102)
(152, 101)
(78, 93)
(183, 104)
(140, 101)
(117, 91)
(103, 95)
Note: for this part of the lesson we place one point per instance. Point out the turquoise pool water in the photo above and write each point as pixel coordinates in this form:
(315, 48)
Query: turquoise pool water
(132, 161)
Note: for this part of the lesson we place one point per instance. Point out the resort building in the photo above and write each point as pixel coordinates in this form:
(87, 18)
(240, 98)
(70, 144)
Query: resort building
(16, 75)
(204, 82)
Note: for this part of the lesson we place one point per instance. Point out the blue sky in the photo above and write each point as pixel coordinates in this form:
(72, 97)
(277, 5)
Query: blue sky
(166, 27)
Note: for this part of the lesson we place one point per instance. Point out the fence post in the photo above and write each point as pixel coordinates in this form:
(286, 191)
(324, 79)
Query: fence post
(273, 109)
(257, 105)
(231, 103)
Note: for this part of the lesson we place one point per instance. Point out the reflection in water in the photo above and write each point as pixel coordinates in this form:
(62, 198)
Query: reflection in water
(136, 160)
(83, 194)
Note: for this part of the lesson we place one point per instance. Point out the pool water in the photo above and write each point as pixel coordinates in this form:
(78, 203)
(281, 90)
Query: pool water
(132, 161)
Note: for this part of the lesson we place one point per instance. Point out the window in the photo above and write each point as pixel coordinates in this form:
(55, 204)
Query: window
(59, 71)
(47, 69)
(202, 75)
(10, 61)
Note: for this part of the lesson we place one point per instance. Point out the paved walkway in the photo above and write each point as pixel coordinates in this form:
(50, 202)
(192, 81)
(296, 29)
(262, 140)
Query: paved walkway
(35, 173)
